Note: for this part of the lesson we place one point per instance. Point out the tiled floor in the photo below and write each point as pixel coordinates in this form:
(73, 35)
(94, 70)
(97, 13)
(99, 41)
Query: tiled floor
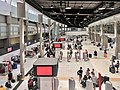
(69, 69)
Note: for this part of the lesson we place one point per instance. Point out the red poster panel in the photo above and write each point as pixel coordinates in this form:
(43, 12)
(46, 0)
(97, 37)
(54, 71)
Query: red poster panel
(9, 49)
(44, 70)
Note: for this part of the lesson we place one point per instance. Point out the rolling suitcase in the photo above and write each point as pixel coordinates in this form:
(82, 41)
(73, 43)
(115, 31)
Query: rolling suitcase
(14, 66)
(90, 55)
(85, 57)
(112, 69)
(100, 48)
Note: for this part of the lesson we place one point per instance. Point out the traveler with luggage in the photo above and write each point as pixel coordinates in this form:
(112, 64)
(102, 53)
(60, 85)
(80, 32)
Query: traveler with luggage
(80, 72)
(105, 53)
(88, 73)
(71, 52)
(83, 81)
(117, 66)
(10, 76)
(86, 52)
(61, 55)
(30, 84)
(95, 53)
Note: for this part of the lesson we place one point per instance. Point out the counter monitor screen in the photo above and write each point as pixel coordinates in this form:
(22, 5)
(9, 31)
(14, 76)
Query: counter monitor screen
(44, 70)
(62, 39)
(57, 45)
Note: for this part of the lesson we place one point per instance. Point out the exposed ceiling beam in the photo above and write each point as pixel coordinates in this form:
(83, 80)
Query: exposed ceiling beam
(84, 0)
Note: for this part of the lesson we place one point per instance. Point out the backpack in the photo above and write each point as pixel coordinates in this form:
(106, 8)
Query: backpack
(30, 83)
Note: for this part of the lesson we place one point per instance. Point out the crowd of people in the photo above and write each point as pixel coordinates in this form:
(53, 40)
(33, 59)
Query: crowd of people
(88, 75)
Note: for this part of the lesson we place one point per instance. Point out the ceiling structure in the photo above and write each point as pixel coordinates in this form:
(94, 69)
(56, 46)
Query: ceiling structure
(76, 13)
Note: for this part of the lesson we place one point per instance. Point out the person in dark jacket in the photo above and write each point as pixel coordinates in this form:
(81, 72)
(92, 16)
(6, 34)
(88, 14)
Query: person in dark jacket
(117, 66)
(10, 76)
(95, 53)
(80, 72)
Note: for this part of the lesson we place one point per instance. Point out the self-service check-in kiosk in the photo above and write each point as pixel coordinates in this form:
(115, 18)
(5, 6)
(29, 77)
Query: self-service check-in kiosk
(57, 46)
(46, 69)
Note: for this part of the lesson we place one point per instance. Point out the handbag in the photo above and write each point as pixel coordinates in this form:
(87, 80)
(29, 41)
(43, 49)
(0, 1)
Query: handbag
(13, 80)
(8, 85)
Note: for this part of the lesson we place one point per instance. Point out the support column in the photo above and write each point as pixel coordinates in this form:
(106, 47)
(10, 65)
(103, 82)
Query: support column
(9, 22)
(104, 38)
(89, 32)
(54, 30)
(49, 29)
(26, 28)
(95, 34)
(57, 30)
(102, 34)
(40, 20)
(38, 35)
(21, 15)
(22, 47)
(117, 38)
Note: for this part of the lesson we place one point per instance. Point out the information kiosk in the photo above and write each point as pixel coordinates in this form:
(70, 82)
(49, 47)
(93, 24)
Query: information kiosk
(45, 69)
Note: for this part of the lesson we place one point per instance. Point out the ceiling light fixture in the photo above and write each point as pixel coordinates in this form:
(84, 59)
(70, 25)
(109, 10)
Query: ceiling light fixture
(51, 6)
(81, 7)
(85, 18)
(101, 8)
(68, 8)
(112, 8)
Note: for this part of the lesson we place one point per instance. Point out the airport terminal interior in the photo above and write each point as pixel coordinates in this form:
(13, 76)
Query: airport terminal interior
(59, 45)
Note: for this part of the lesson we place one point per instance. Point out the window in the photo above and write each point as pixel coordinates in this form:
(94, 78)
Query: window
(3, 31)
(14, 30)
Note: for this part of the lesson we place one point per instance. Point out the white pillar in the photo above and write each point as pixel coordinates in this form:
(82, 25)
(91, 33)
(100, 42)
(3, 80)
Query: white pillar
(117, 38)
(49, 29)
(40, 20)
(21, 15)
(22, 47)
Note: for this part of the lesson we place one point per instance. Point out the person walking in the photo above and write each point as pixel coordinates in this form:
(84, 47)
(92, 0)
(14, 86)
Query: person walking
(94, 80)
(61, 55)
(80, 72)
(117, 66)
(71, 52)
(10, 76)
(105, 53)
(88, 73)
(95, 53)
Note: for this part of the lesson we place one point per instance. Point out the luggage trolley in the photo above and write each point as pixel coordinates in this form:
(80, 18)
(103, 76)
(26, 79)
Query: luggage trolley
(5, 67)
(46, 69)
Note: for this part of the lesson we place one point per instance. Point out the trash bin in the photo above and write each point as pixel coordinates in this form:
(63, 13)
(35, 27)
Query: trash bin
(19, 77)
(71, 84)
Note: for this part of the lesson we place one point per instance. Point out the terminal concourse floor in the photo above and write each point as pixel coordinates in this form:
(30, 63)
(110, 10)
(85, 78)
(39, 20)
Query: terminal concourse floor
(69, 69)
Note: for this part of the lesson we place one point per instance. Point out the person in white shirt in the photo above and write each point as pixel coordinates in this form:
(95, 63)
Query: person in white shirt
(94, 80)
